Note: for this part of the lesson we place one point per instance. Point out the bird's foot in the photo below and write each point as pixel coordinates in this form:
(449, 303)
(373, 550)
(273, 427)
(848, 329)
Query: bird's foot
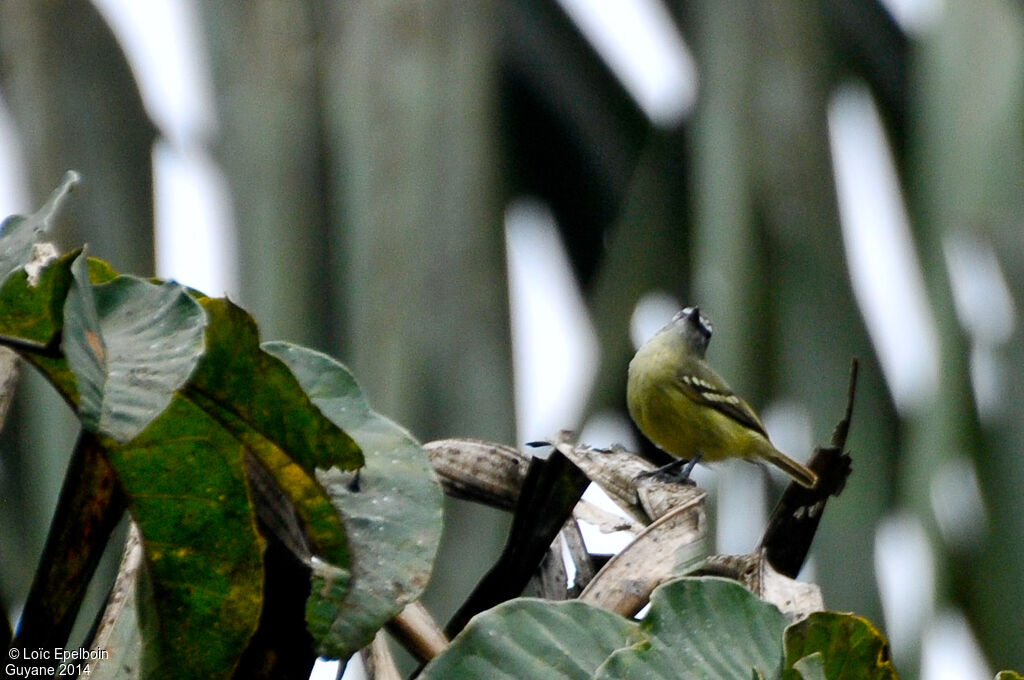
(677, 471)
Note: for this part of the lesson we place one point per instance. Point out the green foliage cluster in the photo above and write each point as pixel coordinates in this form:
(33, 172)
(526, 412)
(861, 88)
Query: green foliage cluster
(220, 447)
(216, 445)
(709, 627)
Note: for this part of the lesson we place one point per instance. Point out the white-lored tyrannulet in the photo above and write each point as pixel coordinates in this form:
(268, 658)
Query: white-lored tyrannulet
(688, 410)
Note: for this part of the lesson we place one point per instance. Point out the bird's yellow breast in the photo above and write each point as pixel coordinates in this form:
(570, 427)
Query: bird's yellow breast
(671, 419)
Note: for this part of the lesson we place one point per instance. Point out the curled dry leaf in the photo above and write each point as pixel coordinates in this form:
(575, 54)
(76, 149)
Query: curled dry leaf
(672, 546)
(796, 599)
(615, 470)
(479, 471)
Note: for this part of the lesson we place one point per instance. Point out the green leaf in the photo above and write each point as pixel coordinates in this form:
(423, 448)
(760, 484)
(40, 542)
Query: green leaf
(187, 491)
(393, 521)
(184, 475)
(232, 369)
(18, 234)
(849, 645)
(258, 399)
(536, 639)
(185, 479)
(131, 345)
(706, 628)
(34, 313)
(1009, 675)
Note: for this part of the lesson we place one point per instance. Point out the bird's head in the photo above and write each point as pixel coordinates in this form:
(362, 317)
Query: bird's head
(694, 328)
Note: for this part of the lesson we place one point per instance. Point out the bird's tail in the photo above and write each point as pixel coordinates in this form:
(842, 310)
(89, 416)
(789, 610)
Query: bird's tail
(801, 473)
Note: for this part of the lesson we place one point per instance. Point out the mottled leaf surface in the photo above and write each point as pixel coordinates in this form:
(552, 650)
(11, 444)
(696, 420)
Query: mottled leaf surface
(131, 345)
(256, 397)
(186, 488)
(185, 475)
(849, 647)
(393, 519)
(34, 313)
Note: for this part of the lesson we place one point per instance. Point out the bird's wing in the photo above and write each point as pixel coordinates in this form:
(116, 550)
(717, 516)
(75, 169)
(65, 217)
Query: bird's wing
(707, 389)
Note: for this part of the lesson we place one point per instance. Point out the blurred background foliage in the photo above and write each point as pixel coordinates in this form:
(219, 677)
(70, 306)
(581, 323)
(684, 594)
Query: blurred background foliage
(372, 150)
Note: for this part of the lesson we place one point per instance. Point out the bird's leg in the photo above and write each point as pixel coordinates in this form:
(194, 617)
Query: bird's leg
(677, 471)
(684, 476)
(671, 470)
(614, 448)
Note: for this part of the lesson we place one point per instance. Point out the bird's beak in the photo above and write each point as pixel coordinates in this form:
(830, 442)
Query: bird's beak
(694, 318)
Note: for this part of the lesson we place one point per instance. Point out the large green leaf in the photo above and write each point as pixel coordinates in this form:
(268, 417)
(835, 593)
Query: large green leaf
(257, 398)
(706, 628)
(128, 369)
(184, 481)
(393, 518)
(849, 647)
(536, 639)
(184, 474)
(234, 365)
(186, 487)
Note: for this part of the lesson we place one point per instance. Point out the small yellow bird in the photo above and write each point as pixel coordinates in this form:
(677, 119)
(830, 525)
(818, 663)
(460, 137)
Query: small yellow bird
(688, 410)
